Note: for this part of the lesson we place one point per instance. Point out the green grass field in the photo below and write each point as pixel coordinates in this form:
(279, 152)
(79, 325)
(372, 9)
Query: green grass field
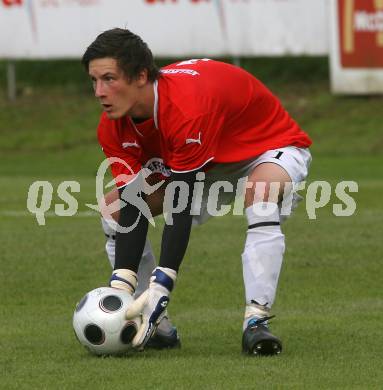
(329, 305)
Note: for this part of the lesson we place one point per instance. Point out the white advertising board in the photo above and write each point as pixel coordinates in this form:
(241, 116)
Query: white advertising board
(64, 28)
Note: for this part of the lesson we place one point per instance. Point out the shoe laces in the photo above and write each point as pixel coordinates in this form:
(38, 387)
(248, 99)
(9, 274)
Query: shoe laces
(253, 323)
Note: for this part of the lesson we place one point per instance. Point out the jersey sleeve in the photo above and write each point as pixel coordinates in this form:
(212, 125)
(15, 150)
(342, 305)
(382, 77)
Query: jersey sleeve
(193, 144)
(124, 162)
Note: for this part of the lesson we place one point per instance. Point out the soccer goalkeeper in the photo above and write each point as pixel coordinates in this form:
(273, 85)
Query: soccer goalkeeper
(192, 121)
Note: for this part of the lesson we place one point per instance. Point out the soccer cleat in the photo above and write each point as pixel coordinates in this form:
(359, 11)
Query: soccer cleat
(257, 340)
(164, 340)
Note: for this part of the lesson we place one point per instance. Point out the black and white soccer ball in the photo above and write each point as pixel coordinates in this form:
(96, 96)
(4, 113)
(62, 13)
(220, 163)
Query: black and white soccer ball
(100, 324)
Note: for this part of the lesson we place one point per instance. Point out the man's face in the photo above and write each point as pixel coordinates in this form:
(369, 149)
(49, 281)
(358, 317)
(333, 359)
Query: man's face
(117, 95)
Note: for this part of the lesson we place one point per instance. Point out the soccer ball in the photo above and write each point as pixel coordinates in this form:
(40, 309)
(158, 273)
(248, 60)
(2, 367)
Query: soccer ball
(99, 321)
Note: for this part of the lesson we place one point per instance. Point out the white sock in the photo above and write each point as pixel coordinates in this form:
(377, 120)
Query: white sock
(147, 263)
(254, 310)
(145, 269)
(262, 257)
(109, 227)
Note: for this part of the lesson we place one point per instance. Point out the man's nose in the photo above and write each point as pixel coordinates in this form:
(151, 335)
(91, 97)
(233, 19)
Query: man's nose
(98, 89)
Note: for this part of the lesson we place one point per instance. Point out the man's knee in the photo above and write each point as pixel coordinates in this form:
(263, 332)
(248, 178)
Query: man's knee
(154, 201)
(106, 201)
(267, 184)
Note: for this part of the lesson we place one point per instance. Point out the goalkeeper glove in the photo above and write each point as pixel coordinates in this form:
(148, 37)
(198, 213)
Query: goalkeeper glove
(124, 279)
(151, 305)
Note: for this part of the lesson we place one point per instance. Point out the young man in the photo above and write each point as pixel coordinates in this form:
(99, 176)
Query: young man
(205, 120)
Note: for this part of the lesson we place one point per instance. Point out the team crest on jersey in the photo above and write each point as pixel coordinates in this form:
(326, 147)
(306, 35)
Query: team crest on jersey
(156, 165)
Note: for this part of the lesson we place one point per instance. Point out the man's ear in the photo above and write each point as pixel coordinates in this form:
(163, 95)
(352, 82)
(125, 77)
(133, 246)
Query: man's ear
(142, 78)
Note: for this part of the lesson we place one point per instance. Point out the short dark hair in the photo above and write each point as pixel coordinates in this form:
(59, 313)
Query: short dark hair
(131, 52)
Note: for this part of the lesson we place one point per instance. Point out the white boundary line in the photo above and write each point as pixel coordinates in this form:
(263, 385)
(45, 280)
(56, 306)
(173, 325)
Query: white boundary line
(22, 213)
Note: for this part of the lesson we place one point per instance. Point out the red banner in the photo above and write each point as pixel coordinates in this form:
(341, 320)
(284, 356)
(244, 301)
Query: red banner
(361, 33)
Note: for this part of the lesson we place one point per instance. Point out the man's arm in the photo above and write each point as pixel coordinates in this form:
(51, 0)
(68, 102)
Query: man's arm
(129, 244)
(175, 236)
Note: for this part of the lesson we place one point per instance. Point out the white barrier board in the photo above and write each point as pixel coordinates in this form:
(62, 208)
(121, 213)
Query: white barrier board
(64, 28)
